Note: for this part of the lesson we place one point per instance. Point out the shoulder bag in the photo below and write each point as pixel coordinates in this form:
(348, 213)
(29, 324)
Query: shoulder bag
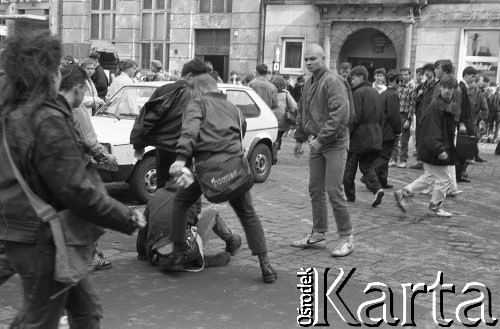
(73, 237)
(224, 176)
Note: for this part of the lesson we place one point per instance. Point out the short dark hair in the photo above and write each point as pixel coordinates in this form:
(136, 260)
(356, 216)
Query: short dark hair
(30, 61)
(286, 76)
(359, 71)
(345, 66)
(485, 79)
(72, 75)
(126, 64)
(380, 71)
(195, 67)
(419, 70)
(300, 78)
(261, 69)
(248, 78)
(493, 84)
(392, 76)
(469, 70)
(428, 67)
(69, 58)
(86, 62)
(279, 82)
(403, 69)
(95, 55)
(446, 66)
(448, 81)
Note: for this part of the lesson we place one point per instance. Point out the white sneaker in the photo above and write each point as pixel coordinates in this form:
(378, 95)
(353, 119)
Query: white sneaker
(402, 164)
(443, 213)
(345, 248)
(313, 240)
(392, 163)
(377, 199)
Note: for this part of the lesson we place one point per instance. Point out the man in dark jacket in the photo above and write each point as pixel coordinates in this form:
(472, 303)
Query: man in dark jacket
(159, 123)
(391, 127)
(436, 149)
(213, 125)
(48, 154)
(423, 94)
(366, 136)
(99, 77)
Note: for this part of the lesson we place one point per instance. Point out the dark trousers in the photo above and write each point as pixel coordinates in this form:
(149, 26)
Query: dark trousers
(365, 162)
(381, 163)
(461, 163)
(242, 205)
(279, 138)
(44, 298)
(403, 139)
(164, 159)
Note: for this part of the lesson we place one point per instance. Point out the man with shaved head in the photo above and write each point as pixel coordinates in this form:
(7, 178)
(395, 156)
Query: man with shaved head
(323, 119)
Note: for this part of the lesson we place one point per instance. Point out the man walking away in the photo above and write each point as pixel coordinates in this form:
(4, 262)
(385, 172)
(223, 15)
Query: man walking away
(423, 97)
(162, 119)
(437, 150)
(391, 128)
(406, 110)
(99, 77)
(323, 118)
(212, 125)
(263, 87)
(366, 136)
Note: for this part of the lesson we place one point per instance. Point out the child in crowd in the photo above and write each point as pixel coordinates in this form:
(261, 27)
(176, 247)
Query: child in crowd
(436, 150)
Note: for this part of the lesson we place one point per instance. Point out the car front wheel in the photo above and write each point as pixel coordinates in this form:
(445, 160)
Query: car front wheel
(260, 162)
(143, 180)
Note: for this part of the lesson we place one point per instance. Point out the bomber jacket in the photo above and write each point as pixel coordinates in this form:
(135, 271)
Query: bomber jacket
(48, 153)
(324, 111)
(438, 133)
(391, 122)
(366, 133)
(211, 125)
(159, 123)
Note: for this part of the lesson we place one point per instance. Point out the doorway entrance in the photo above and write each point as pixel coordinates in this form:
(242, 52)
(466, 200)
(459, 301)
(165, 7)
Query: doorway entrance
(369, 48)
(213, 46)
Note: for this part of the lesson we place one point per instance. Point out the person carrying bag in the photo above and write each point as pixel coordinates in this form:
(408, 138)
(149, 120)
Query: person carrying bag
(51, 197)
(212, 134)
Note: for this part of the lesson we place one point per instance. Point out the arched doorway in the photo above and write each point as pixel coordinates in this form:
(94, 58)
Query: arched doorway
(370, 48)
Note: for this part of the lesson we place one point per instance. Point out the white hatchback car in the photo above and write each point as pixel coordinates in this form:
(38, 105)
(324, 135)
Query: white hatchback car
(113, 124)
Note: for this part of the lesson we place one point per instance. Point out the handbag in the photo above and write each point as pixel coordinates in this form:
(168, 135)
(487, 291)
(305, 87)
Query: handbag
(466, 146)
(73, 237)
(224, 176)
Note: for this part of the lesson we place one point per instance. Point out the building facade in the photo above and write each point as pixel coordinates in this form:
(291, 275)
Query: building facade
(382, 33)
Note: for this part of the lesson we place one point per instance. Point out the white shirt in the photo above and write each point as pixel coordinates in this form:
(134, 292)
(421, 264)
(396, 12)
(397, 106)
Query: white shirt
(118, 82)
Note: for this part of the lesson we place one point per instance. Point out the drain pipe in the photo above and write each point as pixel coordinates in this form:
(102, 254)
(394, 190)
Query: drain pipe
(262, 32)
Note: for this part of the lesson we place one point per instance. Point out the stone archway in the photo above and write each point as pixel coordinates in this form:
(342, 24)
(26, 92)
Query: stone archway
(341, 31)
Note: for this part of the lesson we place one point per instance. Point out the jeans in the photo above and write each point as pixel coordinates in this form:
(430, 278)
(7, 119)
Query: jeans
(438, 177)
(365, 161)
(403, 139)
(164, 159)
(326, 172)
(44, 298)
(381, 163)
(209, 224)
(242, 205)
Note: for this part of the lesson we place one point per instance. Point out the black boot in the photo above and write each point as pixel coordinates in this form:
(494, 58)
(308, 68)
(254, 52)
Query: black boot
(268, 273)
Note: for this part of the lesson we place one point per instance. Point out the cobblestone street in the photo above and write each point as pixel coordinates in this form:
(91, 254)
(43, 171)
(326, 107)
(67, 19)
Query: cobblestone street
(390, 247)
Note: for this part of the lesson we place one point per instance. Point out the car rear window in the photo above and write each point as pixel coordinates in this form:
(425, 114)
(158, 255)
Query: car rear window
(244, 102)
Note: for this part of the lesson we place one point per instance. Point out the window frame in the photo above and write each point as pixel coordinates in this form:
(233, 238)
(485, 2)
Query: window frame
(211, 6)
(291, 70)
(465, 60)
(102, 12)
(152, 40)
(246, 115)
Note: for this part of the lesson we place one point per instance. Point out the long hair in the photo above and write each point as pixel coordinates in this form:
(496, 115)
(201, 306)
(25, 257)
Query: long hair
(30, 62)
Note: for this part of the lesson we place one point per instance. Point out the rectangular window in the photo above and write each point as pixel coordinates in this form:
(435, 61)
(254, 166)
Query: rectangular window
(292, 54)
(216, 6)
(482, 51)
(102, 19)
(155, 27)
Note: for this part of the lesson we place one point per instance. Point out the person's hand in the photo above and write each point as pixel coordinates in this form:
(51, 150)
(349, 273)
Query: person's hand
(99, 101)
(407, 124)
(111, 160)
(443, 155)
(176, 168)
(462, 128)
(138, 154)
(420, 92)
(138, 219)
(297, 150)
(315, 146)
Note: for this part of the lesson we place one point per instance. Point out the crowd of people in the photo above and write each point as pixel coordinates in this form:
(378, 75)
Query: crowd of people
(347, 120)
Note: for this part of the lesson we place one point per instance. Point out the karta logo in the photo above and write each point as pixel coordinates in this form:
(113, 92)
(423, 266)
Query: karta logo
(315, 289)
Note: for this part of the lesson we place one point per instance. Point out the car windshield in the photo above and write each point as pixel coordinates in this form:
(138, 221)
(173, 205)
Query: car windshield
(127, 102)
